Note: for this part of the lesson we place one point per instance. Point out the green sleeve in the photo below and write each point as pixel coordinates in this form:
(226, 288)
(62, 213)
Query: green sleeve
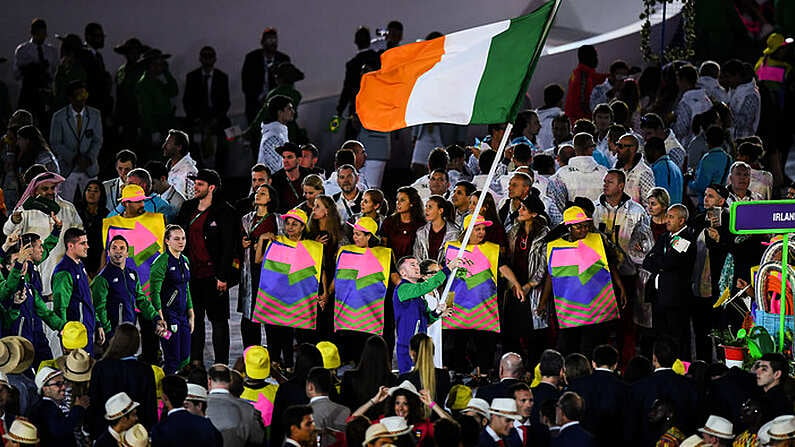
(408, 291)
(189, 303)
(50, 243)
(99, 295)
(143, 304)
(9, 314)
(49, 317)
(61, 293)
(9, 285)
(156, 275)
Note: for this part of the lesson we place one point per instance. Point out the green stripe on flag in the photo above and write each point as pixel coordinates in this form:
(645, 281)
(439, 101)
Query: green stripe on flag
(512, 58)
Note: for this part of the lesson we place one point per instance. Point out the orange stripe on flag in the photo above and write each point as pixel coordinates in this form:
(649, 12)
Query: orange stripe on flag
(384, 94)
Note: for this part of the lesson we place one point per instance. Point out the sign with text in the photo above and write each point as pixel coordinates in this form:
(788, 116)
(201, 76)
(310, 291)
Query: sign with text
(762, 217)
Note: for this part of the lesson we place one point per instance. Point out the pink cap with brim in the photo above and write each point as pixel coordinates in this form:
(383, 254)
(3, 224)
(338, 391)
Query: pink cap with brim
(297, 214)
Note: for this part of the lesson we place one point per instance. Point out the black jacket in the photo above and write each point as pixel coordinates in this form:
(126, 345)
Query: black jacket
(663, 384)
(194, 99)
(183, 428)
(674, 268)
(253, 78)
(221, 231)
(353, 77)
(499, 389)
(606, 397)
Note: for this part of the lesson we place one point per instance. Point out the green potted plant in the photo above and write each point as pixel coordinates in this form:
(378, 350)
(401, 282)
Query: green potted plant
(734, 346)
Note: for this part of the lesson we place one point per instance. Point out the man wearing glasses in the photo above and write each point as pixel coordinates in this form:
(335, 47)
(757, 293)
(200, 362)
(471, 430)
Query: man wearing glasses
(640, 178)
(55, 427)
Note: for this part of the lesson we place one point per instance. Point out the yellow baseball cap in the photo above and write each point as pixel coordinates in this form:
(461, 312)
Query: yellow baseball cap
(74, 335)
(330, 353)
(366, 224)
(258, 362)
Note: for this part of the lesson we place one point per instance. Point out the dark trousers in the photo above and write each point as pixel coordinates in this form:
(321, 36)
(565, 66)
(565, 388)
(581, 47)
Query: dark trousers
(208, 300)
(280, 344)
(702, 314)
(149, 341)
(250, 332)
(673, 322)
(466, 349)
(626, 331)
(583, 339)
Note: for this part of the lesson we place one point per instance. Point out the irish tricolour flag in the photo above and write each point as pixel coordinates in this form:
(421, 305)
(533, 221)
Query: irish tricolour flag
(474, 76)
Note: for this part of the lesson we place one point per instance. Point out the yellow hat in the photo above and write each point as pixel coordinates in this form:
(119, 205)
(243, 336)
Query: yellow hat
(480, 220)
(133, 193)
(679, 367)
(574, 215)
(536, 376)
(458, 397)
(74, 335)
(258, 362)
(297, 214)
(330, 353)
(366, 224)
(159, 374)
(774, 42)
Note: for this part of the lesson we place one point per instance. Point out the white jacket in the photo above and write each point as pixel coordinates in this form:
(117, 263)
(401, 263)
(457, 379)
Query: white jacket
(582, 177)
(178, 176)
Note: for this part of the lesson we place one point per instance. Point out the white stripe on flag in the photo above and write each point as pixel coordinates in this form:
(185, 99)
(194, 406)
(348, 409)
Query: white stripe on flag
(446, 92)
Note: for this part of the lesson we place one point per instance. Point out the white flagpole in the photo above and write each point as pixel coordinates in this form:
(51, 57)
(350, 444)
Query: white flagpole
(486, 188)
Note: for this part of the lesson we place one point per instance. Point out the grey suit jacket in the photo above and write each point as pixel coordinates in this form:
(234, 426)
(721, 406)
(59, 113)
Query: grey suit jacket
(67, 144)
(237, 420)
(329, 417)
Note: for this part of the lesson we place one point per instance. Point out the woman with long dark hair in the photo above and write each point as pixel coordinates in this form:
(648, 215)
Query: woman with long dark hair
(372, 372)
(325, 227)
(440, 228)
(257, 228)
(91, 209)
(400, 229)
(33, 149)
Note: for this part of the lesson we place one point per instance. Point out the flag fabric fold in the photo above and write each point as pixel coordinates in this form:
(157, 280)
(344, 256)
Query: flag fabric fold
(361, 281)
(475, 295)
(473, 76)
(581, 282)
(288, 284)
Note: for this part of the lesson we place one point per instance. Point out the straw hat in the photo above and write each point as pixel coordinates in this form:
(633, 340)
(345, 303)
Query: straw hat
(406, 385)
(119, 405)
(16, 354)
(330, 354)
(74, 335)
(22, 432)
(8, 358)
(477, 405)
(45, 375)
(135, 436)
(196, 393)
(505, 408)
(719, 427)
(4, 380)
(76, 366)
(574, 215)
(693, 441)
(258, 362)
(389, 427)
(782, 430)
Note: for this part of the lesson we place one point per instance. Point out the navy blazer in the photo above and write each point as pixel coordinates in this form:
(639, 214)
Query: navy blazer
(485, 440)
(183, 428)
(662, 384)
(537, 435)
(605, 396)
(574, 436)
(55, 428)
(542, 393)
(499, 389)
(106, 440)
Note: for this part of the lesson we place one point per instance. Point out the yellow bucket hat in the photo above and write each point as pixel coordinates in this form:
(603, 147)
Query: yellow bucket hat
(258, 362)
(330, 353)
(74, 335)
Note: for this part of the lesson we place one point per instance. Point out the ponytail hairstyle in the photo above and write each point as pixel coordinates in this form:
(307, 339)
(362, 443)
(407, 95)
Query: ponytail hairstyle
(170, 228)
(377, 196)
(423, 363)
(448, 211)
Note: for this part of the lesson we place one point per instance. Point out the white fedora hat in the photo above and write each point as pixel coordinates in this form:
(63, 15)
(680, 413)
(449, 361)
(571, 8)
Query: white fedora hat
(406, 385)
(782, 430)
(136, 436)
(477, 405)
(44, 375)
(693, 441)
(718, 427)
(119, 405)
(506, 408)
(389, 427)
(196, 392)
(22, 432)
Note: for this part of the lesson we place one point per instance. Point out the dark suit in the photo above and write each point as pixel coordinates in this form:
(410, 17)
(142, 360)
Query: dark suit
(542, 393)
(674, 269)
(195, 101)
(728, 392)
(112, 376)
(605, 396)
(662, 384)
(485, 440)
(536, 435)
(354, 395)
(353, 77)
(106, 440)
(253, 78)
(55, 428)
(291, 392)
(574, 436)
(183, 428)
(499, 389)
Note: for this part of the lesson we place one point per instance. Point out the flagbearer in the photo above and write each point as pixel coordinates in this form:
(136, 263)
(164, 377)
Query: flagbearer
(117, 292)
(583, 270)
(170, 293)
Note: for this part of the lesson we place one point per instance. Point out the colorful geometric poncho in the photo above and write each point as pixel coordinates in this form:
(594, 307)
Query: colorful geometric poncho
(289, 283)
(581, 282)
(144, 236)
(360, 287)
(475, 296)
